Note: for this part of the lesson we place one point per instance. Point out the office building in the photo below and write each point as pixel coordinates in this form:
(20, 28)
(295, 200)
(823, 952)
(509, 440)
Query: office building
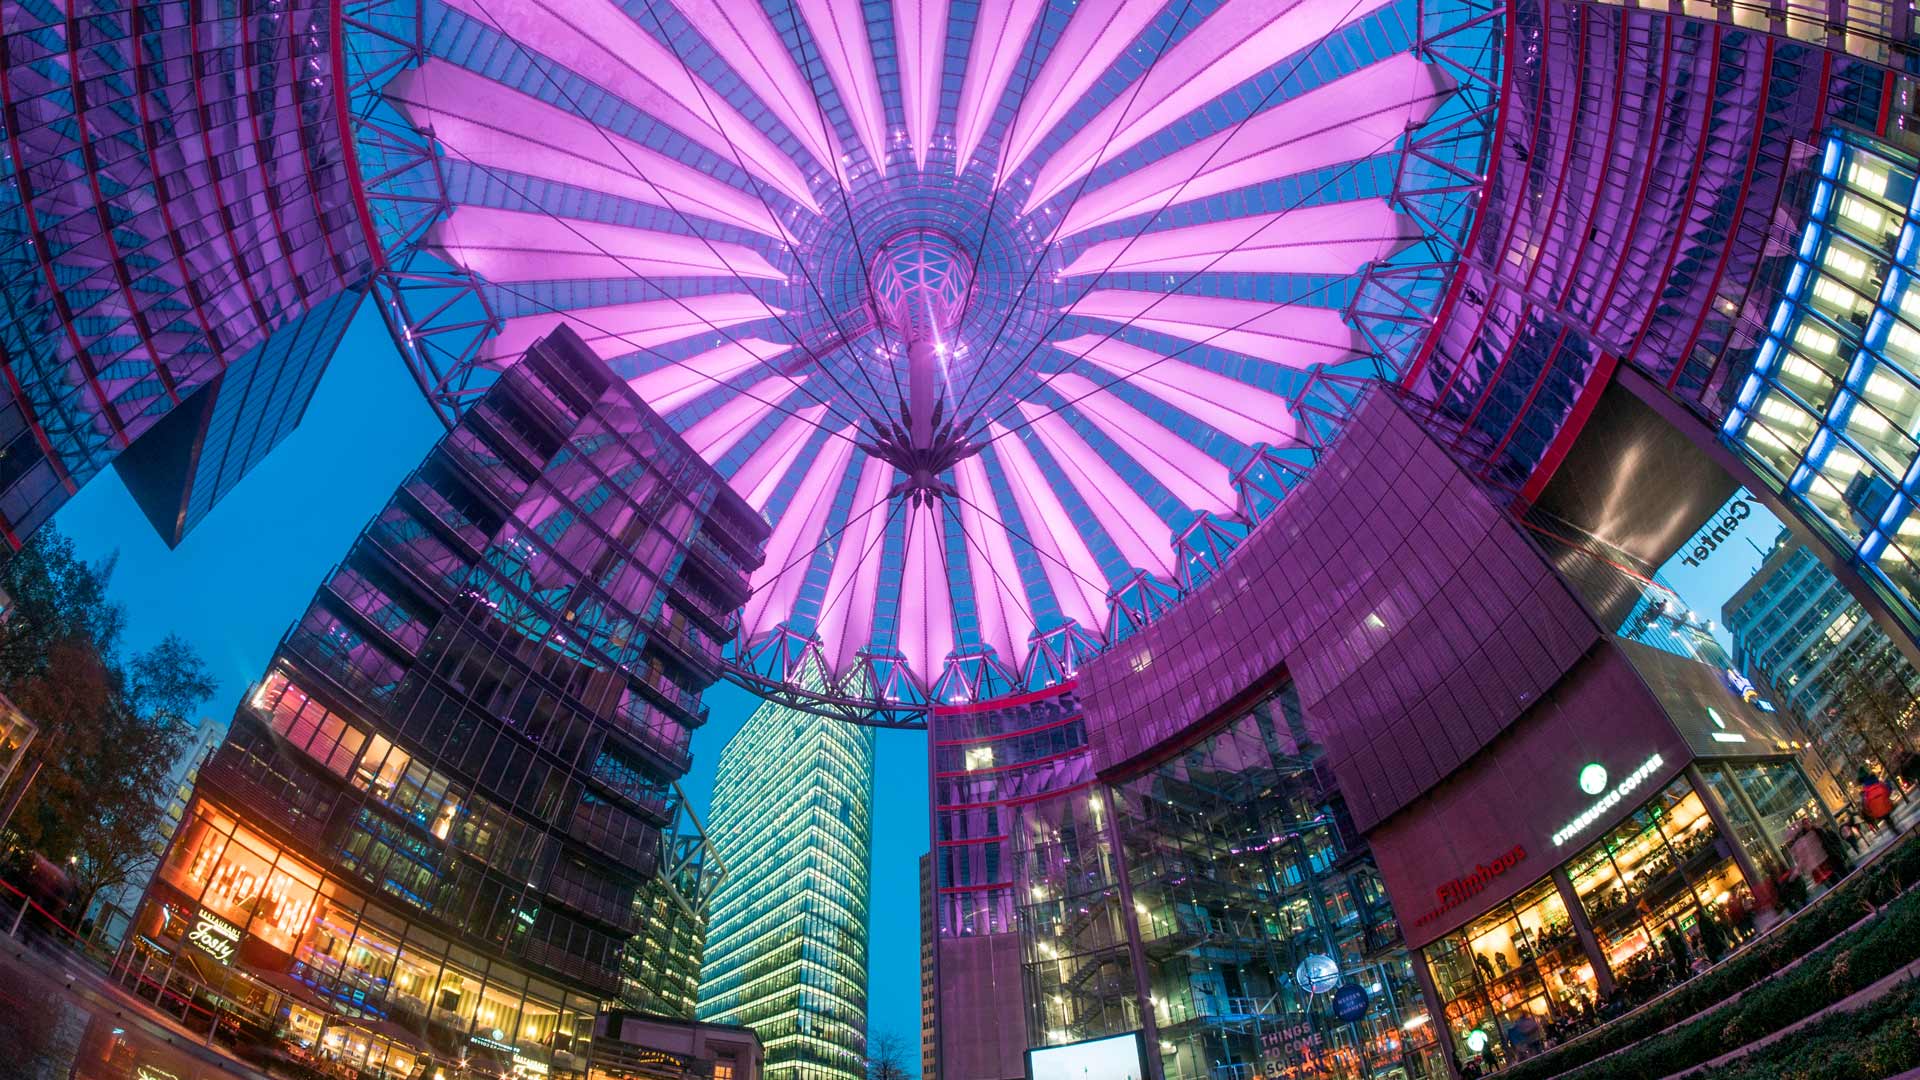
(660, 969)
(1830, 409)
(929, 980)
(113, 908)
(786, 956)
(425, 830)
(1802, 637)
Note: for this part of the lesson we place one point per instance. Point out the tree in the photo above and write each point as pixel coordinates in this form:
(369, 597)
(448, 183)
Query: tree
(110, 729)
(887, 1058)
(1874, 699)
(55, 595)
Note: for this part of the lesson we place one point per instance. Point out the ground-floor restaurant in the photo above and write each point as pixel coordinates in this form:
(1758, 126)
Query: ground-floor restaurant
(341, 983)
(1671, 885)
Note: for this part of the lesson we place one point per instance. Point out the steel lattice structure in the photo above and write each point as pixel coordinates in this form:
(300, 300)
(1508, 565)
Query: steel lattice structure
(1011, 320)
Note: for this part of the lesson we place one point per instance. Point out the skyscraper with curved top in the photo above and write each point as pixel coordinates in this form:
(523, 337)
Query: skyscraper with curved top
(787, 948)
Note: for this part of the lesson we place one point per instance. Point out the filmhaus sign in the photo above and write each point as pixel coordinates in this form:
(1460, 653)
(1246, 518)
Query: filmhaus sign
(1467, 886)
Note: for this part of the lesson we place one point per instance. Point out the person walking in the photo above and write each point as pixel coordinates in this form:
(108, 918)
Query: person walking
(1876, 798)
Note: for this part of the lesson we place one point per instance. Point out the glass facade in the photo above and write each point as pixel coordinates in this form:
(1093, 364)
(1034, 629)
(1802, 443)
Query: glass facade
(660, 970)
(1797, 631)
(1221, 900)
(787, 945)
(1661, 892)
(432, 817)
(1830, 411)
(175, 203)
(1521, 960)
(1648, 881)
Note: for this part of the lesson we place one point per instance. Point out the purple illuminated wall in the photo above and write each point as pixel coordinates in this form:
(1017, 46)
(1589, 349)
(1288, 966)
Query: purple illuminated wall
(1415, 618)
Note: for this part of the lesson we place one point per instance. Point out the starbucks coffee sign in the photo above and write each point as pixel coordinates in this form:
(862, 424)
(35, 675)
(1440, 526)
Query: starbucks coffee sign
(214, 936)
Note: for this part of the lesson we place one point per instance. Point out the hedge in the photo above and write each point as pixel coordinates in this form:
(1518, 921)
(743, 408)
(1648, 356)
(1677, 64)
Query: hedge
(1855, 961)
(1878, 1041)
(1889, 876)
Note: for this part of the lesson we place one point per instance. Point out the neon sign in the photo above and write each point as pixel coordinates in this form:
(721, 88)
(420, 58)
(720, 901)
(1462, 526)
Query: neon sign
(1611, 799)
(214, 936)
(1462, 889)
(1593, 778)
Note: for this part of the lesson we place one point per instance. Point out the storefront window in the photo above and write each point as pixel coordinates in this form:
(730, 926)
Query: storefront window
(1779, 793)
(1516, 975)
(415, 973)
(1648, 885)
(367, 1053)
(244, 879)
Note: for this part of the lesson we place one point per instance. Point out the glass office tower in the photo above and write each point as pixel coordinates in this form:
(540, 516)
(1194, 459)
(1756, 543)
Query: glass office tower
(424, 834)
(1830, 411)
(787, 947)
(180, 248)
(660, 973)
(1819, 655)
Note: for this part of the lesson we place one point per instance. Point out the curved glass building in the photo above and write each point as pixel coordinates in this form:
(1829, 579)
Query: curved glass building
(182, 246)
(1345, 401)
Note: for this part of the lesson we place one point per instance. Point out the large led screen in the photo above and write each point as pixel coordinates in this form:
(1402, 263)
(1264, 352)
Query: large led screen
(1121, 1057)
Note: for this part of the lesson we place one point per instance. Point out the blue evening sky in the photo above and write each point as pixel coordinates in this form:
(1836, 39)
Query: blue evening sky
(1706, 588)
(240, 579)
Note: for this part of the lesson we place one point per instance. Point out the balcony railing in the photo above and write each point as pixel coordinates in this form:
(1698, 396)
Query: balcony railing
(627, 785)
(320, 655)
(688, 595)
(579, 967)
(607, 909)
(655, 730)
(618, 835)
(717, 558)
(303, 812)
(673, 692)
(701, 652)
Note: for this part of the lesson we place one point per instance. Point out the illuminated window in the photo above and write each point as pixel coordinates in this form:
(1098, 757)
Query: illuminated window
(1858, 210)
(1813, 339)
(1866, 178)
(1846, 264)
(979, 757)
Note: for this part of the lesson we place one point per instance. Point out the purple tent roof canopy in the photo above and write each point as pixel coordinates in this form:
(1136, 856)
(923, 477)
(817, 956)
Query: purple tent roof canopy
(1010, 321)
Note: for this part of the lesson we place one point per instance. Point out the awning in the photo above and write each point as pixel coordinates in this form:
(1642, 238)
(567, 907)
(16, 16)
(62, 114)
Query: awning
(287, 985)
(385, 1029)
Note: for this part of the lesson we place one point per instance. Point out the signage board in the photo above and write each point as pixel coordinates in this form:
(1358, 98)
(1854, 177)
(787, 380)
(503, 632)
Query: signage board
(1611, 799)
(1453, 893)
(1349, 1002)
(1119, 1057)
(214, 936)
(1717, 531)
